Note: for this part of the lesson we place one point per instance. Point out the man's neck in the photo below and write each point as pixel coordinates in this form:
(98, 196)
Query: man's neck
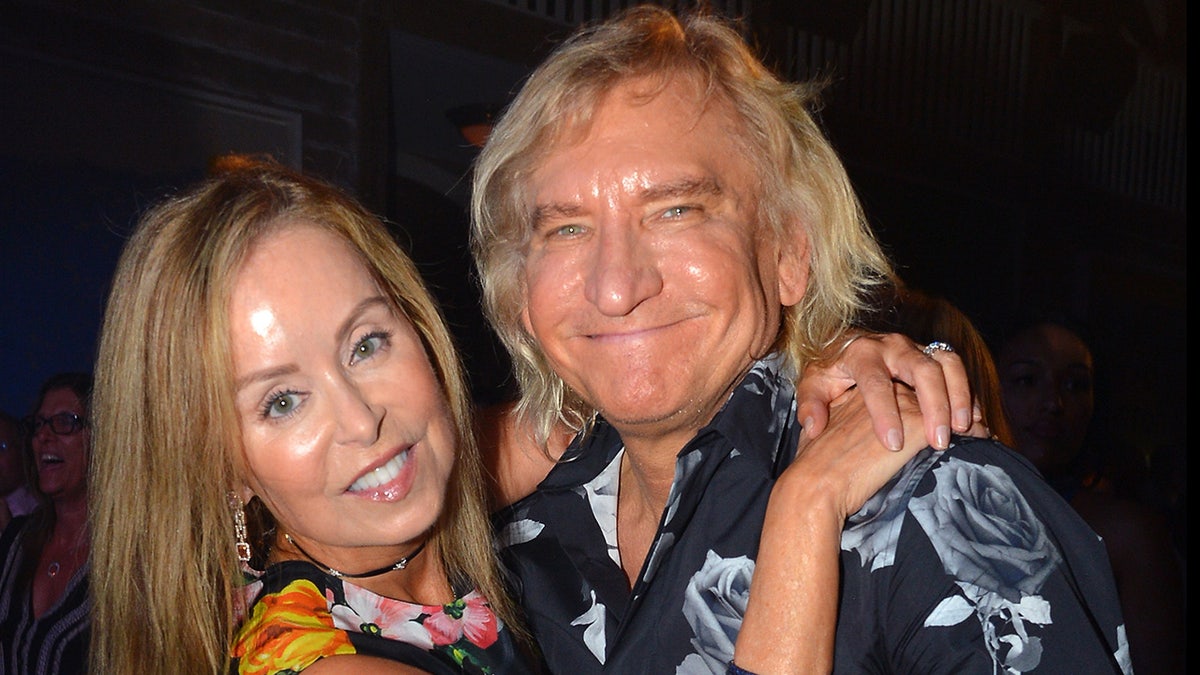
(646, 478)
(650, 463)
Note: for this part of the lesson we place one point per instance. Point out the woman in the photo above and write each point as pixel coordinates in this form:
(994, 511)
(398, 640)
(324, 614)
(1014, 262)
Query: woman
(200, 368)
(44, 606)
(1047, 377)
(277, 391)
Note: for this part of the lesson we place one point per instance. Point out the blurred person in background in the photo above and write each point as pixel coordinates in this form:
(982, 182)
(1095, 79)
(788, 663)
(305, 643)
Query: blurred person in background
(1048, 378)
(18, 498)
(44, 604)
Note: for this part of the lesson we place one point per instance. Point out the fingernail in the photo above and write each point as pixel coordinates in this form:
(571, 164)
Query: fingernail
(962, 418)
(807, 423)
(943, 437)
(894, 440)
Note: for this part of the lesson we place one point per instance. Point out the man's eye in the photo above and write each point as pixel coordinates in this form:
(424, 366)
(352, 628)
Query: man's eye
(281, 405)
(567, 231)
(676, 212)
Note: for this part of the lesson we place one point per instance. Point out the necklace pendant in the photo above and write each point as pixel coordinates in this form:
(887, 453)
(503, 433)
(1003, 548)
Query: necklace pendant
(52, 569)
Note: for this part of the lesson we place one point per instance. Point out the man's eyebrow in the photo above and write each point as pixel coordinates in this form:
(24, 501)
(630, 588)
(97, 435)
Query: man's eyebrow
(553, 210)
(683, 187)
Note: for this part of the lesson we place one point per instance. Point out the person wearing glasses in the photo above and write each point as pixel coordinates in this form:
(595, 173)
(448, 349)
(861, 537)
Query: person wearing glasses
(44, 606)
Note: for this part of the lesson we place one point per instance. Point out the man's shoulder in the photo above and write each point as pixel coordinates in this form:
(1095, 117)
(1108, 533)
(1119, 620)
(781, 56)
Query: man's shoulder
(975, 488)
(542, 512)
(974, 534)
(971, 458)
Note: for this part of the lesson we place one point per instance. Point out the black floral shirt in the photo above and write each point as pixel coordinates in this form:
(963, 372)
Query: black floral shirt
(966, 562)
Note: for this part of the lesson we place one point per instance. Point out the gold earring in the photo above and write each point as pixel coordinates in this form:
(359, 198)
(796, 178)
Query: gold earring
(239, 527)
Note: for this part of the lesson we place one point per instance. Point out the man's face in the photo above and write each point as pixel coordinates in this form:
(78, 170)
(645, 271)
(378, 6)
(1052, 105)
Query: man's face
(650, 284)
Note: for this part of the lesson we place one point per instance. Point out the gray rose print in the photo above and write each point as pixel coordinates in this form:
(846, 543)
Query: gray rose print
(989, 539)
(714, 604)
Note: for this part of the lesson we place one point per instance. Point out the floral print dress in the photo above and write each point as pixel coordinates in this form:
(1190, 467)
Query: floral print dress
(297, 614)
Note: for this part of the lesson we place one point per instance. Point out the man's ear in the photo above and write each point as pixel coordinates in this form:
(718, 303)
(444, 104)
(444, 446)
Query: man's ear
(523, 297)
(525, 320)
(794, 264)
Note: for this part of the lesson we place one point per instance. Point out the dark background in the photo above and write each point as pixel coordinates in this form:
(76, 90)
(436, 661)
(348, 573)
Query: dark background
(1010, 153)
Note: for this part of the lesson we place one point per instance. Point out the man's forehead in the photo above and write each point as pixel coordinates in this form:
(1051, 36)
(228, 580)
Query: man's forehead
(635, 93)
(623, 133)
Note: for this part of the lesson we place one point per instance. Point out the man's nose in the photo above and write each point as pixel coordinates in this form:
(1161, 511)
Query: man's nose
(623, 270)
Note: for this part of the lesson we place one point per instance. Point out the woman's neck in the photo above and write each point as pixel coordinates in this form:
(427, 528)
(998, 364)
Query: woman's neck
(70, 516)
(422, 580)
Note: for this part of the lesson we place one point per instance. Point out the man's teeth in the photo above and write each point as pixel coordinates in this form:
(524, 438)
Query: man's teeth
(382, 475)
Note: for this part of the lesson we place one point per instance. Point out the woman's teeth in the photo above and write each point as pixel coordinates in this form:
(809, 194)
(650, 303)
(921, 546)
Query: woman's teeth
(383, 475)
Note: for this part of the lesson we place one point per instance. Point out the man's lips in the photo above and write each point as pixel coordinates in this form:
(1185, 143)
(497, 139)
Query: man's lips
(628, 333)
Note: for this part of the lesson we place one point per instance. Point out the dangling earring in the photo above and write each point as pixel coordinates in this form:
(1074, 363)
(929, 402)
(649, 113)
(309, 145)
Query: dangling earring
(239, 527)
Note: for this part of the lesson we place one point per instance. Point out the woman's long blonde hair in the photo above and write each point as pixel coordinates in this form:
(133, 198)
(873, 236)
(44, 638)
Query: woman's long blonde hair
(166, 440)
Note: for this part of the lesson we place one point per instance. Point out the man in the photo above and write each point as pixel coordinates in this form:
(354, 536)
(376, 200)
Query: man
(665, 239)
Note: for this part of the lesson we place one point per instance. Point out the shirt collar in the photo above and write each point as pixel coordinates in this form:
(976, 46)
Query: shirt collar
(759, 411)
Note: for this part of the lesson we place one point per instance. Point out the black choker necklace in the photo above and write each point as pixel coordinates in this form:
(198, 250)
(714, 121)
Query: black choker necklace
(398, 565)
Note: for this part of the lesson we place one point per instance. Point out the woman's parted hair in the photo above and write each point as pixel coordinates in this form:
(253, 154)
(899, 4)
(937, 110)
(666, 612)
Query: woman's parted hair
(804, 186)
(166, 436)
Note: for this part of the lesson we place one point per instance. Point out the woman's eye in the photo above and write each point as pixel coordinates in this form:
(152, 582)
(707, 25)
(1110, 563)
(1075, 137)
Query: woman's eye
(1026, 381)
(366, 347)
(281, 405)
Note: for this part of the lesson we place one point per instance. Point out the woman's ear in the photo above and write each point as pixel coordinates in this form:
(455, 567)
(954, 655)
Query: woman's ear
(243, 493)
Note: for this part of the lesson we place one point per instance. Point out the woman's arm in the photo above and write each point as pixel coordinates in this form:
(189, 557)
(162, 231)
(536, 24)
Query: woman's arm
(869, 363)
(792, 614)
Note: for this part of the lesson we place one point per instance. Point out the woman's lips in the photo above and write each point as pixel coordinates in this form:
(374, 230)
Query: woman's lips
(389, 481)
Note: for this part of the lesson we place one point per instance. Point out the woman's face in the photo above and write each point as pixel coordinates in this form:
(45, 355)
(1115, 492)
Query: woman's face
(62, 459)
(1046, 379)
(344, 426)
